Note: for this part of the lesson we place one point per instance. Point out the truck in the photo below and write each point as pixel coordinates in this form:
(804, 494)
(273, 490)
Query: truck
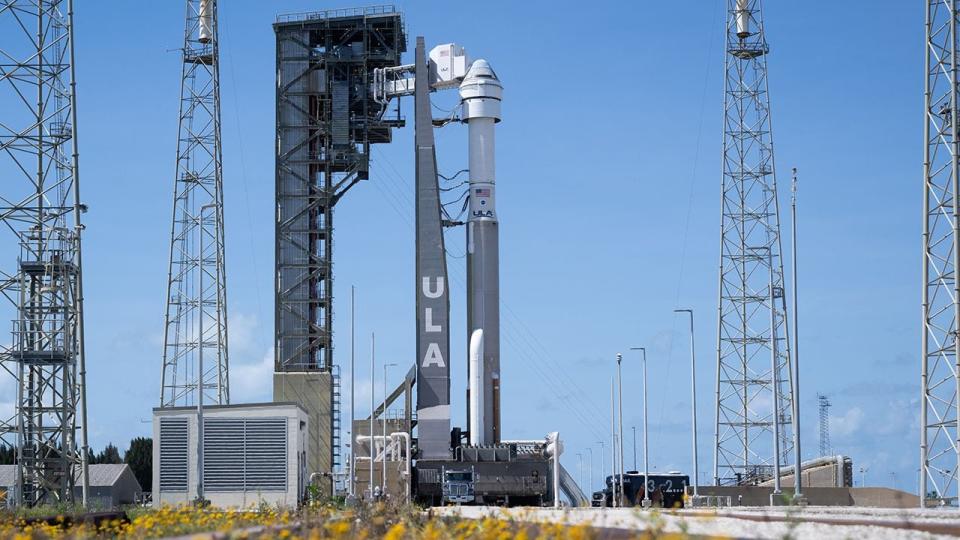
(459, 486)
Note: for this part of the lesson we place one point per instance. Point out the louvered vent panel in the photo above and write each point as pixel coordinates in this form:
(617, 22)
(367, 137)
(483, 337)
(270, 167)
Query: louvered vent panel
(266, 455)
(174, 455)
(223, 454)
(245, 454)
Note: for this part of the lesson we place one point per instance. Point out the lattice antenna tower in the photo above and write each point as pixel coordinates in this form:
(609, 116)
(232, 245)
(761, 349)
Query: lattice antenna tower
(940, 375)
(752, 329)
(824, 403)
(41, 219)
(195, 327)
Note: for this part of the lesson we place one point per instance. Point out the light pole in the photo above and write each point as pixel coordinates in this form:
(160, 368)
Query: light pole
(774, 385)
(634, 429)
(373, 368)
(797, 471)
(620, 421)
(200, 344)
(613, 445)
(590, 467)
(603, 466)
(646, 449)
(353, 311)
(693, 404)
(383, 486)
(580, 468)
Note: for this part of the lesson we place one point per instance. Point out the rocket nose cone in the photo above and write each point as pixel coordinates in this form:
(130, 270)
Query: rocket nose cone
(480, 69)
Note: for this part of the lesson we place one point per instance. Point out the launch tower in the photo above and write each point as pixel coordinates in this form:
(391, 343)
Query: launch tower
(940, 348)
(327, 121)
(41, 219)
(195, 357)
(754, 395)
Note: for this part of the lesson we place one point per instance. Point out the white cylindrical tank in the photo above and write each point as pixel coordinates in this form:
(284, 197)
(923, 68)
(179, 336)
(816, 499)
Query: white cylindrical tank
(476, 387)
(743, 18)
(206, 21)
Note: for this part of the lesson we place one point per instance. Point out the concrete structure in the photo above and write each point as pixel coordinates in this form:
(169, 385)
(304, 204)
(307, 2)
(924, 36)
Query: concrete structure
(252, 453)
(312, 391)
(815, 496)
(111, 485)
(395, 463)
(829, 471)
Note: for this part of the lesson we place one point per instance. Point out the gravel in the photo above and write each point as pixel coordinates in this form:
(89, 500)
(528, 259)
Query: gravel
(725, 523)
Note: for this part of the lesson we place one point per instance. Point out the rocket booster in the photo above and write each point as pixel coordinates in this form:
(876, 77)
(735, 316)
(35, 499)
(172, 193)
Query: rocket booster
(480, 95)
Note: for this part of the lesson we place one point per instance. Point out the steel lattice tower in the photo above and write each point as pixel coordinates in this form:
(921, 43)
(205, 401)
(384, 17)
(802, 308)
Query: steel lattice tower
(752, 325)
(40, 211)
(940, 371)
(824, 402)
(195, 328)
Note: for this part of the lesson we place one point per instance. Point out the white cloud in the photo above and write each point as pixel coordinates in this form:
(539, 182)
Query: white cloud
(847, 424)
(244, 335)
(252, 382)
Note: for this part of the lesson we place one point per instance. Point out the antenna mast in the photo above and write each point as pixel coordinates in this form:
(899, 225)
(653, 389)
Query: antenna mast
(752, 328)
(195, 326)
(825, 405)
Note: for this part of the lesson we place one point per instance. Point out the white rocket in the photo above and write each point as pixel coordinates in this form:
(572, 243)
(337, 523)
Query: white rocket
(480, 95)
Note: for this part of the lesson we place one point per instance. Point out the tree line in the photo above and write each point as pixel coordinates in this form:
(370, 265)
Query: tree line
(139, 456)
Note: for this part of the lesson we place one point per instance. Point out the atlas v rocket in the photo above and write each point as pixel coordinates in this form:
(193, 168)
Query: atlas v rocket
(480, 95)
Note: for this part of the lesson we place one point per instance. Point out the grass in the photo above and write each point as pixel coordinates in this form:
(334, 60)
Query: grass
(328, 521)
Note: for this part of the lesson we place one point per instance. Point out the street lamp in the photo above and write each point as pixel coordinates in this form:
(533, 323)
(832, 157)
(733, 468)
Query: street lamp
(353, 455)
(590, 467)
(613, 444)
(620, 424)
(646, 450)
(603, 468)
(373, 372)
(580, 468)
(634, 429)
(383, 486)
(200, 345)
(693, 406)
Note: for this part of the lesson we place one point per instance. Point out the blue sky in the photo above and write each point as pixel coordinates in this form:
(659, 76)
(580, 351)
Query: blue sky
(609, 182)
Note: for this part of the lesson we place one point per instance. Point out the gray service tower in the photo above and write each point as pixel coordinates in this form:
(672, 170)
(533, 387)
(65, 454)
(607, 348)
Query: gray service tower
(326, 122)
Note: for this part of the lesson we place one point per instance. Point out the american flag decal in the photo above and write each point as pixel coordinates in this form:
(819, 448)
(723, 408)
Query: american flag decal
(482, 192)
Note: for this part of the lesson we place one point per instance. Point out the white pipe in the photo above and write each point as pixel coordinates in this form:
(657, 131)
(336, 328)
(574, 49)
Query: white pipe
(206, 21)
(743, 19)
(476, 388)
(556, 472)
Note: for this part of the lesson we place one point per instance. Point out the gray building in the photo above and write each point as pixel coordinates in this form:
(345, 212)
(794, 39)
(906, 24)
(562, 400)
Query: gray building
(111, 485)
(252, 453)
